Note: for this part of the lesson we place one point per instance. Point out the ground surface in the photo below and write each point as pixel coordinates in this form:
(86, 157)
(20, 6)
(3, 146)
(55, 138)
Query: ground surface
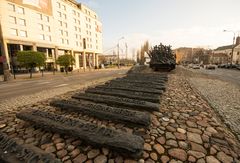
(186, 129)
(222, 90)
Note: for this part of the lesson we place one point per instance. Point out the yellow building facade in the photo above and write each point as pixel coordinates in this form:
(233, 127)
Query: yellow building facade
(55, 27)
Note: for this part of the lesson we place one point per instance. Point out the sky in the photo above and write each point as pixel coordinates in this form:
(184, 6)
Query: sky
(180, 23)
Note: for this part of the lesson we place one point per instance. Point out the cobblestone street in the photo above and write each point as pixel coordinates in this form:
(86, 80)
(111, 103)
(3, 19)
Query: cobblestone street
(222, 95)
(186, 129)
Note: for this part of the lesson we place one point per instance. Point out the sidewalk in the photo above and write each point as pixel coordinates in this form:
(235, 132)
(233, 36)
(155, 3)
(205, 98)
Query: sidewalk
(38, 75)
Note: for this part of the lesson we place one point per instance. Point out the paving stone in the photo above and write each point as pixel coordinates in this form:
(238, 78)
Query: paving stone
(180, 136)
(169, 135)
(74, 153)
(183, 145)
(196, 154)
(201, 160)
(61, 153)
(80, 158)
(165, 159)
(159, 148)
(178, 154)
(211, 130)
(161, 140)
(171, 129)
(50, 149)
(154, 156)
(211, 159)
(147, 147)
(100, 159)
(172, 143)
(194, 137)
(191, 159)
(130, 161)
(224, 158)
(197, 147)
(181, 130)
(93, 153)
(60, 146)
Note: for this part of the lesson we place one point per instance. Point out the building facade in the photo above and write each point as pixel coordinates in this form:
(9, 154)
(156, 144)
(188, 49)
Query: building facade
(226, 51)
(55, 27)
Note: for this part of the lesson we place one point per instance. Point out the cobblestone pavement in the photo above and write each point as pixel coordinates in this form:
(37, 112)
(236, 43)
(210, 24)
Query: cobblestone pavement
(186, 129)
(223, 95)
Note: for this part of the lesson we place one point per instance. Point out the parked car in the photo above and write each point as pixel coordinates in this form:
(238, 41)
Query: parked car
(196, 66)
(210, 67)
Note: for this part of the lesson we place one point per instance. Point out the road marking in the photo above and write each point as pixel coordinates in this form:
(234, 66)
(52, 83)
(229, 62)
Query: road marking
(43, 83)
(61, 85)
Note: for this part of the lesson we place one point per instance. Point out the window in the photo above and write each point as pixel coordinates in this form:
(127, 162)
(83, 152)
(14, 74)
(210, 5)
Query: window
(22, 22)
(62, 40)
(80, 37)
(65, 16)
(85, 10)
(65, 25)
(76, 36)
(78, 14)
(60, 23)
(48, 29)
(76, 43)
(66, 33)
(60, 32)
(74, 12)
(48, 38)
(238, 53)
(79, 22)
(13, 32)
(86, 25)
(87, 32)
(12, 19)
(40, 27)
(64, 7)
(81, 44)
(20, 10)
(79, 29)
(88, 12)
(96, 47)
(46, 18)
(75, 20)
(96, 41)
(11, 7)
(39, 16)
(41, 37)
(23, 33)
(66, 40)
(90, 33)
(75, 28)
(58, 5)
(59, 14)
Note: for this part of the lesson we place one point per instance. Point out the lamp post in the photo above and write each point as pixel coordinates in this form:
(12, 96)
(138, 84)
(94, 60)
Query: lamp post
(118, 51)
(232, 45)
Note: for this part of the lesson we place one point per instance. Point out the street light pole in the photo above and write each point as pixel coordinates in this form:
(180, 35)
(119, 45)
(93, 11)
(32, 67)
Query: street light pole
(118, 51)
(232, 46)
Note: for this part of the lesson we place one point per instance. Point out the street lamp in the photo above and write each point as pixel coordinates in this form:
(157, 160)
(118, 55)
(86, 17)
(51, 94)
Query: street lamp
(118, 51)
(232, 45)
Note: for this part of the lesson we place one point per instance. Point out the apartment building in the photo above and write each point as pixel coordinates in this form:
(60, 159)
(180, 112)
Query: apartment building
(55, 27)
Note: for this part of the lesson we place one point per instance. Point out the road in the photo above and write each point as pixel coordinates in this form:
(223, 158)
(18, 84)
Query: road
(26, 87)
(229, 75)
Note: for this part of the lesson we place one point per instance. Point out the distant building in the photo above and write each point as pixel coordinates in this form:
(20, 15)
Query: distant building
(223, 53)
(55, 27)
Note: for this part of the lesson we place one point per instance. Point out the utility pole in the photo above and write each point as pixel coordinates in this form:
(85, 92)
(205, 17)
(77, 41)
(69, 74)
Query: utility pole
(126, 50)
(234, 34)
(118, 52)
